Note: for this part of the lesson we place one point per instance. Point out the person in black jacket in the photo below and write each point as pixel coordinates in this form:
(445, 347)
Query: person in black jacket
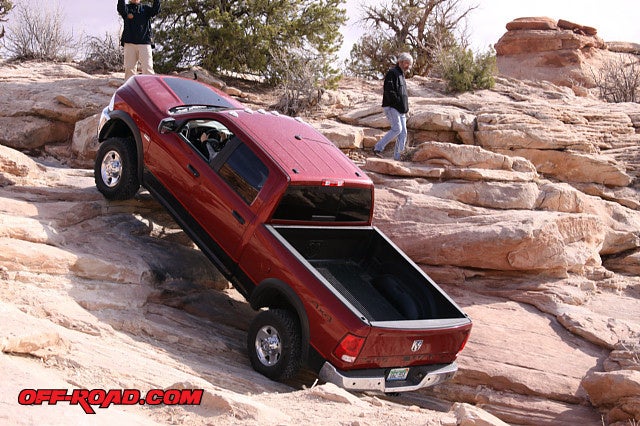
(137, 38)
(395, 103)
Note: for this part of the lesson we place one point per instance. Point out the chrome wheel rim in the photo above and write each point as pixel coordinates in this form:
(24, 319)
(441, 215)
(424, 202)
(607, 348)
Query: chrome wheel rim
(268, 346)
(111, 169)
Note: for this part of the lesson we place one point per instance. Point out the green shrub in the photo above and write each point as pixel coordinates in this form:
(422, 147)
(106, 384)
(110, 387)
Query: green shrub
(5, 8)
(463, 71)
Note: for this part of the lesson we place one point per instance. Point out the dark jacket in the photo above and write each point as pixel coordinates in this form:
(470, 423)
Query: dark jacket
(395, 90)
(137, 30)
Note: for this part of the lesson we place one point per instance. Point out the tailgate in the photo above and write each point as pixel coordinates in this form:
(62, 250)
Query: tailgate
(398, 344)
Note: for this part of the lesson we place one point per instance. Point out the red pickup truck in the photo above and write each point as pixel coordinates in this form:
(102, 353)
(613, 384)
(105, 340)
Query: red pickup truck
(287, 218)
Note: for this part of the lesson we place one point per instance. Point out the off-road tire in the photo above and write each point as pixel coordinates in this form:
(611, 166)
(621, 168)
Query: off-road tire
(274, 344)
(115, 171)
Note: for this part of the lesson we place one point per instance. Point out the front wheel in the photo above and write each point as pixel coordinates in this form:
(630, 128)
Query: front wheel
(273, 343)
(115, 169)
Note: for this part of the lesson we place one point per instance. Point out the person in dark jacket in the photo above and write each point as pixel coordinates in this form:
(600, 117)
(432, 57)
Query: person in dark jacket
(137, 38)
(395, 103)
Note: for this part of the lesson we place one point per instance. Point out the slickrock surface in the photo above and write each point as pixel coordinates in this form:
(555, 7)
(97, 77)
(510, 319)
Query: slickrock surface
(521, 202)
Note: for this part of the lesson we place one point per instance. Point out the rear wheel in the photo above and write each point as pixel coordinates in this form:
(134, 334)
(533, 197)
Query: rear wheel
(273, 343)
(115, 171)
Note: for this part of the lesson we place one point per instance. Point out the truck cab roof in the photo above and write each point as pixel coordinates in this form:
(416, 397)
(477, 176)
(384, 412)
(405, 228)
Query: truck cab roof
(303, 153)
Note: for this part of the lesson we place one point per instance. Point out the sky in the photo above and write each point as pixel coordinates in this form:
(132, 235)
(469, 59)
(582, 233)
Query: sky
(615, 20)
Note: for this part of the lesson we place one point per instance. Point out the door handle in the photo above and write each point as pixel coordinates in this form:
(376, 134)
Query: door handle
(238, 217)
(193, 170)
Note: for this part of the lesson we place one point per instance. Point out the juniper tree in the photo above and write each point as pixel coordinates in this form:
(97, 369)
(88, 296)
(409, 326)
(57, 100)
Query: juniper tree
(5, 8)
(241, 36)
(422, 27)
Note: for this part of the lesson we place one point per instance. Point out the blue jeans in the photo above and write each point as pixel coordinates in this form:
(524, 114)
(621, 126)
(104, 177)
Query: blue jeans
(398, 129)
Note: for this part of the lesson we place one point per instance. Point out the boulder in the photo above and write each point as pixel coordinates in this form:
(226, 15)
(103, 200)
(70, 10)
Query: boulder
(562, 52)
(33, 132)
(342, 135)
(469, 415)
(41, 108)
(616, 392)
(84, 144)
(533, 23)
(15, 166)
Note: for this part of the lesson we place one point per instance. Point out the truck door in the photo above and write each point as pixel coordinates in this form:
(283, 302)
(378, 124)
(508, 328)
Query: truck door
(227, 191)
(216, 188)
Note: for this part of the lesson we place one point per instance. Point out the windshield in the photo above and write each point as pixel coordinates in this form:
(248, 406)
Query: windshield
(192, 93)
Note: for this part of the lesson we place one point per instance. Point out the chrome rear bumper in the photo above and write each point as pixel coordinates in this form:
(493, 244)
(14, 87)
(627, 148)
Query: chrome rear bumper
(375, 380)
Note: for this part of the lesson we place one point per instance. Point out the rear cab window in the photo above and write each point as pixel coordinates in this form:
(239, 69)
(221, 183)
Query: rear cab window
(306, 203)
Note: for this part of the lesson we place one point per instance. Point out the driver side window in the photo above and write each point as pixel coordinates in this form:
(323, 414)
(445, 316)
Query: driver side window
(207, 137)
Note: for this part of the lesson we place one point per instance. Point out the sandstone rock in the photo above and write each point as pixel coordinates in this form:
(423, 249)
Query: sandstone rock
(577, 28)
(331, 392)
(355, 116)
(509, 241)
(576, 167)
(599, 329)
(625, 356)
(440, 118)
(201, 74)
(624, 196)
(618, 219)
(32, 132)
(523, 255)
(441, 154)
(566, 42)
(16, 165)
(617, 392)
(534, 23)
(18, 254)
(84, 144)
(541, 49)
(31, 344)
(418, 170)
(624, 47)
(40, 341)
(44, 106)
(468, 415)
(628, 263)
(541, 374)
(342, 135)
(241, 407)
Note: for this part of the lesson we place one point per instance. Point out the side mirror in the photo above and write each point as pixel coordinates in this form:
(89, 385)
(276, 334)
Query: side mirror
(167, 125)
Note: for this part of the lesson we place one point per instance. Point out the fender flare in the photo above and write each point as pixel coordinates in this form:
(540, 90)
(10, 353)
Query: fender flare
(113, 128)
(274, 293)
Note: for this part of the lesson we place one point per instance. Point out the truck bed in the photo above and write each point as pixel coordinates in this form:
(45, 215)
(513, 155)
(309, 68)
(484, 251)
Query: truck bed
(368, 271)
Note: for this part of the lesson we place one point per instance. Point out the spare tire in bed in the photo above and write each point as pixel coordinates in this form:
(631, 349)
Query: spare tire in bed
(396, 294)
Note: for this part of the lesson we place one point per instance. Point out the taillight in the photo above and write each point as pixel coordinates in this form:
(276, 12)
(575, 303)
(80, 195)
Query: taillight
(349, 348)
(464, 342)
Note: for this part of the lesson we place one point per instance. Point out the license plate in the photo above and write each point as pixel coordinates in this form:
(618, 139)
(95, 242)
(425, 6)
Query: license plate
(398, 374)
